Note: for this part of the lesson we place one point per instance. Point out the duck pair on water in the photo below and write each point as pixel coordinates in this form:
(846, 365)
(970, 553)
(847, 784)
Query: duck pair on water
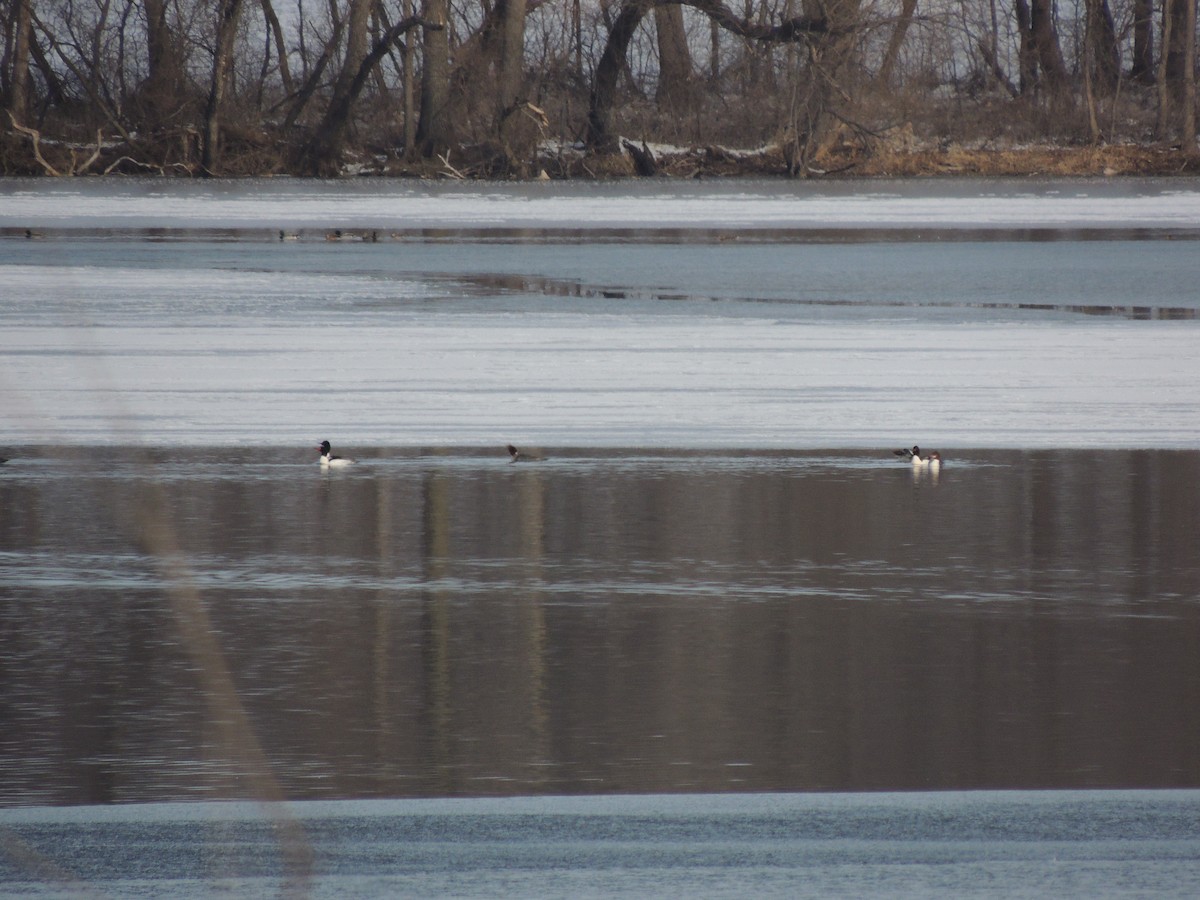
(330, 460)
(932, 459)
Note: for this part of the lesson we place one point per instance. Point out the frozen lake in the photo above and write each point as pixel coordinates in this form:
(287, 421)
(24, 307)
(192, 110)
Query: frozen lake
(1010, 845)
(1002, 314)
(696, 650)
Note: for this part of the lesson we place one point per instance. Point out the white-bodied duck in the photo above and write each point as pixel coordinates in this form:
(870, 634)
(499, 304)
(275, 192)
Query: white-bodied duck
(329, 460)
(932, 459)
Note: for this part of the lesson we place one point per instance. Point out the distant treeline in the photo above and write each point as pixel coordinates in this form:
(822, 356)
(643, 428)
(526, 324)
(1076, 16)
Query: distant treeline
(509, 88)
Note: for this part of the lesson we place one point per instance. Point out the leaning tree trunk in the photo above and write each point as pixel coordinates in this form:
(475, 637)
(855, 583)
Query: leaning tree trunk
(600, 134)
(285, 72)
(227, 18)
(608, 70)
(322, 153)
(892, 53)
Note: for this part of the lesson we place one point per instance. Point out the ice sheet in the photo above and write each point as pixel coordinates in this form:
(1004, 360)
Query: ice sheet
(378, 203)
(994, 844)
(316, 360)
(607, 381)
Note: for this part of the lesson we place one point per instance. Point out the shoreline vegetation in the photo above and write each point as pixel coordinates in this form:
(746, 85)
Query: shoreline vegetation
(553, 162)
(586, 89)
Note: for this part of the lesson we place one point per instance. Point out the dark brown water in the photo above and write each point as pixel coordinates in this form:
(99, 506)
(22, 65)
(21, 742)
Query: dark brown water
(214, 623)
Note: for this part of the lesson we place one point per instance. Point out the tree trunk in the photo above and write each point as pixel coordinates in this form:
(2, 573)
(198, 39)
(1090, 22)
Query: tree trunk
(410, 116)
(612, 61)
(227, 18)
(1188, 123)
(604, 84)
(1163, 119)
(1142, 69)
(313, 79)
(1176, 47)
(1040, 55)
(577, 39)
(164, 66)
(512, 55)
(674, 58)
(890, 55)
(1045, 37)
(285, 72)
(322, 155)
(433, 128)
(1027, 64)
(1103, 51)
(1089, 72)
(714, 54)
(357, 19)
(17, 101)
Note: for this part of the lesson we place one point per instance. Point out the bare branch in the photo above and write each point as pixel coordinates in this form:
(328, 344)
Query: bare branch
(36, 138)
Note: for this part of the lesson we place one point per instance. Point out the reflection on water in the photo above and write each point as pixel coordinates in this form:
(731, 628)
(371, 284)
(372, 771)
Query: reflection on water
(436, 623)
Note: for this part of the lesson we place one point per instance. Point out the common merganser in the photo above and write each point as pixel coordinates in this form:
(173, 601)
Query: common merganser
(518, 456)
(328, 459)
(914, 455)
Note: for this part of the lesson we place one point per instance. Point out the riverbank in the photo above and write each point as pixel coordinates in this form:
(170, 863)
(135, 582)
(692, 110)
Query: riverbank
(844, 161)
(896, 154)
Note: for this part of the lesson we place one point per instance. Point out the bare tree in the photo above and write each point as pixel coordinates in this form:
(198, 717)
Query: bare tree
(434, 129)
(1142, 69)
(281, 51)
(227, 23)
(512, 54)
(890, 55)
(163, 88)
(15, 67)
(674, 58)
(1188, 91)
(321, 155)
(632, 12)
(1103, 55)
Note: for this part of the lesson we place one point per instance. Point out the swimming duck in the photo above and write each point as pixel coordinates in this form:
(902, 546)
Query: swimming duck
(914, 456)
(328, 459)
(518, 456)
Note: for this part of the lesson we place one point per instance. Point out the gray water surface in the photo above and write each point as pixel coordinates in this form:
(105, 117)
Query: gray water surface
(445, 623)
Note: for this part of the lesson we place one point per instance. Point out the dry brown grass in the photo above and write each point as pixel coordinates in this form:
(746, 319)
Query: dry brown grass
(1025, 161)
